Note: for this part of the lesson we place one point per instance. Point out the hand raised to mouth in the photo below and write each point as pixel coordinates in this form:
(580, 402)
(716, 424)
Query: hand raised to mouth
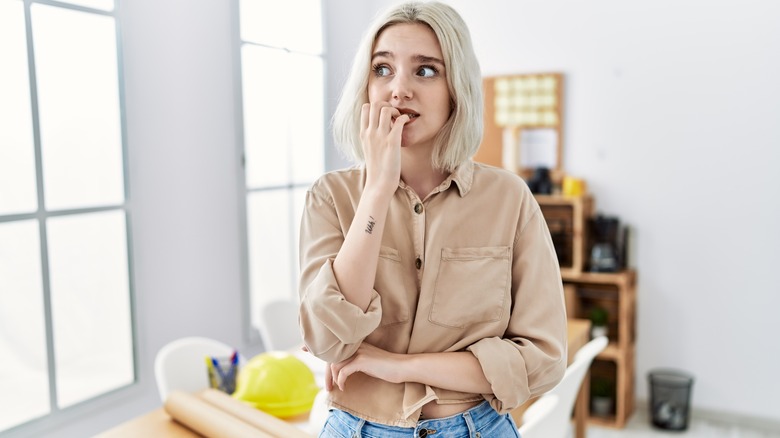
(380, 135)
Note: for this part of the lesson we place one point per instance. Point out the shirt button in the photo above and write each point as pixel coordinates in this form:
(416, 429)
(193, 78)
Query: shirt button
(418, 208)
(418, 263)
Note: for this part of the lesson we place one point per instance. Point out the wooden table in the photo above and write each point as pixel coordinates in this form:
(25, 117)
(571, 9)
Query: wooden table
(155, 423)
(578, 336)
(159, 423)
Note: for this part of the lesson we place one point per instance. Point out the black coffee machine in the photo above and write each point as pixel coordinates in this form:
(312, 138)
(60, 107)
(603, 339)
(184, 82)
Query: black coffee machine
(609, 240)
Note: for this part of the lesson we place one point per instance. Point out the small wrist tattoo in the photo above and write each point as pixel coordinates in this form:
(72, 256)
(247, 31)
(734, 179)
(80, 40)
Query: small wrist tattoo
(370, 226)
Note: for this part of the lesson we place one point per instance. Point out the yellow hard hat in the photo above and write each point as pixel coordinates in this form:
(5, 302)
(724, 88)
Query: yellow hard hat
(277, 383)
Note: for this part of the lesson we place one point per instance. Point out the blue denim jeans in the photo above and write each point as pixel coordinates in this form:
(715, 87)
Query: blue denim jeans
(481, 421)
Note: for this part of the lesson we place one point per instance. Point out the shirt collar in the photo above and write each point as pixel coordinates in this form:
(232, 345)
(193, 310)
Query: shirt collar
(463, 176)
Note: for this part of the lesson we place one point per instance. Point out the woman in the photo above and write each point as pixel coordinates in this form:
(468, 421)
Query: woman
(428, 282)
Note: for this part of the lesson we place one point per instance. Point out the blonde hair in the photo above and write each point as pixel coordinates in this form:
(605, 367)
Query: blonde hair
(459, 139)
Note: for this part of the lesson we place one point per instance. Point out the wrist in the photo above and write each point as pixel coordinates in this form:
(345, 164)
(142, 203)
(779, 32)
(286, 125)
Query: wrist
(407, 368)
(383, 186)
(378, 194)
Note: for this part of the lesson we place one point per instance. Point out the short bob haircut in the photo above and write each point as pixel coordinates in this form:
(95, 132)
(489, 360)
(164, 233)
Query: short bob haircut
(459, 139)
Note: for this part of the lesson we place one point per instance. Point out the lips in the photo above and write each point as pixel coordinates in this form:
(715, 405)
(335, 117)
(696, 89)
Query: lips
(412, 114)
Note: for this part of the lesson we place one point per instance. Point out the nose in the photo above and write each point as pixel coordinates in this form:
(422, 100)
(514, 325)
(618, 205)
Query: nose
(401, 88)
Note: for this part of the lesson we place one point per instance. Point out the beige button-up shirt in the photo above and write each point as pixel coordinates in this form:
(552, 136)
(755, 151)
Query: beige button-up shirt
(469, 268)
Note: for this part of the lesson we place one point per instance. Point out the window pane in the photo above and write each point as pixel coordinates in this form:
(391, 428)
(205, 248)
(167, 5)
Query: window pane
(17, 154)
(90, 304)
(283, 117)
(24, 382)
(265, 116)
(307, 131)
(271, 264)
(294, 24)
(105, 5)
(78, 100)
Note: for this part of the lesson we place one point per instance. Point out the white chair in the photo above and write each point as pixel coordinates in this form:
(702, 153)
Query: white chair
(553, 418)
(278, 326)
(319, 413)
(535, 416)
(180, 365)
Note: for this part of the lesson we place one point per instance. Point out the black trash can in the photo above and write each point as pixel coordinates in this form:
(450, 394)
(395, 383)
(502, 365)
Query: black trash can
(670, 398)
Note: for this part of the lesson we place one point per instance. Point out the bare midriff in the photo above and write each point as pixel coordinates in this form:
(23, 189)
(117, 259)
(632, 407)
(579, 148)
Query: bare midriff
(435, 410)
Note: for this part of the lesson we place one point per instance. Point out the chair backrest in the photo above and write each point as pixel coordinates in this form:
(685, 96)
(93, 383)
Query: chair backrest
(535, 418)
(278, 326)
(555, 423)
(180, 365)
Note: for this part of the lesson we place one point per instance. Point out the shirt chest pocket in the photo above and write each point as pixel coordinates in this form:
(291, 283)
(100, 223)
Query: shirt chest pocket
(472, 286)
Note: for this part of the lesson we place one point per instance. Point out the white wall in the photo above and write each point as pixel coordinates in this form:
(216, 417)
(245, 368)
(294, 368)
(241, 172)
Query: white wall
(673, 118)
(342, 34)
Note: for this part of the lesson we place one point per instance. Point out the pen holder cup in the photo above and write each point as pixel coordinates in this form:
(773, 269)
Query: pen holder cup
(222, 373)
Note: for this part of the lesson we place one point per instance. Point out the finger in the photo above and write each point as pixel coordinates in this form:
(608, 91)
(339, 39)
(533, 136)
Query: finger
(328, 378)
(340, 372)
(386, 117)
(341, 379)
(335, 369)
(398, 127)
(365, 111)
(375, 113)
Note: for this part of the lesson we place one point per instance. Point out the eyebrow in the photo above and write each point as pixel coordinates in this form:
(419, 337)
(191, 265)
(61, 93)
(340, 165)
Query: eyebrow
(418, 58)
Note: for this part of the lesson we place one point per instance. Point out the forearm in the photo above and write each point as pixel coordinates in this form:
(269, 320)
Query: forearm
(356, 263)
(456, 371)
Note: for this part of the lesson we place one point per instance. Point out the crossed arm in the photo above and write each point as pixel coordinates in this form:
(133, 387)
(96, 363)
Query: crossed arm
(456, 371)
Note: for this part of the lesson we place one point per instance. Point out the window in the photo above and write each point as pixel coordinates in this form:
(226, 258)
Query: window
(65, 307)
(282, 67)
(282, 60)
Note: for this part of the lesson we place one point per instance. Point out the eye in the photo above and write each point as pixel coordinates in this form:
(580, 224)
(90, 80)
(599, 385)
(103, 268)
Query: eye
(427, 71)
(381, 70)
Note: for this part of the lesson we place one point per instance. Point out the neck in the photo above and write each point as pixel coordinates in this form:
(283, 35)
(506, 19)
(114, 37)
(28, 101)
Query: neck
(418, 173)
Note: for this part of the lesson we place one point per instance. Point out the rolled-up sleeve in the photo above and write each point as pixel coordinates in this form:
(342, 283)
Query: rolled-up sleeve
(530, 358)
(332, 327)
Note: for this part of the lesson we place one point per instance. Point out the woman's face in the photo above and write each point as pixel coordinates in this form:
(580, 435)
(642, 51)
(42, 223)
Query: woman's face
(407, 70)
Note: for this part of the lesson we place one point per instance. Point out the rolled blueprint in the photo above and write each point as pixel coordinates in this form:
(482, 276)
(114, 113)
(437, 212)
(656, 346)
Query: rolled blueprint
(257, 418)
(208, 420)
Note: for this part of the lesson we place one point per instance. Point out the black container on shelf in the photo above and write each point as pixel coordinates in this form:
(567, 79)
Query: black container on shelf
(670, 398)
(541, 183)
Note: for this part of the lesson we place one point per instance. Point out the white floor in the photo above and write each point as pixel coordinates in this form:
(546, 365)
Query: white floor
(639, 426)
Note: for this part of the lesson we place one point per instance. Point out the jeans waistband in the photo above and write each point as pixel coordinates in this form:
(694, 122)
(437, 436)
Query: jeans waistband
(464, 422)
(478, 413)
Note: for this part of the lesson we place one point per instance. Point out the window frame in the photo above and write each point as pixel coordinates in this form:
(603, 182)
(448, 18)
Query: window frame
(56, 415)
(251, 333)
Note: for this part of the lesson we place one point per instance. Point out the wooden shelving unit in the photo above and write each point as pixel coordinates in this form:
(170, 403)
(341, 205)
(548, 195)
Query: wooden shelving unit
(616, 292)
(567, 219)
